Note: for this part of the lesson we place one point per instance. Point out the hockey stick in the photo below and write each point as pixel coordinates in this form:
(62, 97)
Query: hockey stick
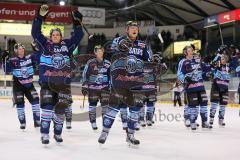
(220, 31)
(83, 102)
(5, 73)
(90, 36)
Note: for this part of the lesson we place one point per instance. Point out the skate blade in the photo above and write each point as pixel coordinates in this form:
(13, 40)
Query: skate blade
(45, 145)
(220, 126)
(69, 130)
(102, 146)
(59, 143)
(133, 146)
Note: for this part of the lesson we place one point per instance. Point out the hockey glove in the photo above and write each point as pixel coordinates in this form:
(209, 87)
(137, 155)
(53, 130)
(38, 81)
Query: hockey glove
(124, 45)
(84, 88)
(43, 11)
(5, 55)
(77, 18)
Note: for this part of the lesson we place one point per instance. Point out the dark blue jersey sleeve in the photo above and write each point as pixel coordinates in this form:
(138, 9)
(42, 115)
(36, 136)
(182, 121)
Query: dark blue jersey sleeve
(37, 34)
(75, 39)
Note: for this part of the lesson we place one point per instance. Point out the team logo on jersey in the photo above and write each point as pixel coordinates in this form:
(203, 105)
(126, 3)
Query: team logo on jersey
(24, 72)
(131, 64)
(99, 79)
(136, 51)
(58, 61)
(102, 70)
(64, 49)
(24, 63)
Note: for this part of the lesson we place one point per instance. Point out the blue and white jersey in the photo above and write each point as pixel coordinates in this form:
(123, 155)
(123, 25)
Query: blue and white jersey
(221, 76)
(139, 49)
(22, 69)
(96, 74)
(190, 74)
(128, 69)
(55, 58)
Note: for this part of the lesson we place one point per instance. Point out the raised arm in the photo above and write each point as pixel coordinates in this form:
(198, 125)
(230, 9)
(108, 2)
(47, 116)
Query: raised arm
(36, 26)
(77, 34)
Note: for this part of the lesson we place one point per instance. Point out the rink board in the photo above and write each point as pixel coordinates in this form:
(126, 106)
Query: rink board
(6, 93)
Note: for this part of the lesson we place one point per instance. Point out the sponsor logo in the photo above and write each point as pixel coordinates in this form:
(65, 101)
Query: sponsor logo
(24, 63)
(24, 72)
(58, 61)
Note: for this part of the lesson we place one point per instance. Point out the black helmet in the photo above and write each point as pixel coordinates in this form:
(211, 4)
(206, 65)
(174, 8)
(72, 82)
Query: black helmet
(98, 47)
(132, 23)
(18, 45)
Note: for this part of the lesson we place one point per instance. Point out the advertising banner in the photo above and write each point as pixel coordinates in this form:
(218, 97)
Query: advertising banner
(95, 16)
(24, 11)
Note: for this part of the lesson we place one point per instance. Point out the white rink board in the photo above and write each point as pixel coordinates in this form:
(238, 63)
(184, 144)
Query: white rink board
(165, 140)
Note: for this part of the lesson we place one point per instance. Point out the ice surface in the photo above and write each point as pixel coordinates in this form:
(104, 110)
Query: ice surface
(165, 140)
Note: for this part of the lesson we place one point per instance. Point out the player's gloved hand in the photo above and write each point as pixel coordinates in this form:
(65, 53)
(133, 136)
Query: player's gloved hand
(84, 91)
(188, 77)
(124, 45)
(84, 88)
(5, 55)
(77, 17)
(43, 11)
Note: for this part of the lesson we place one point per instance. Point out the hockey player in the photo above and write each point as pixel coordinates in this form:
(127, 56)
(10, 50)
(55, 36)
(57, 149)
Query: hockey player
(151, 71)
(96, 80)
(21, 67)
(190, 73)
(55, 70)
(126, 76)
(219, 89)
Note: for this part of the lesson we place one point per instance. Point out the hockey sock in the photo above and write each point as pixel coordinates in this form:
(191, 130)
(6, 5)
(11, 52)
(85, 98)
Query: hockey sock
(46, 117)
(142, 113)
(109, 117)
(58, 120)
(213, 109)
(92, 112)
(150, 110)
(222, 111)
(104, 109)
(204, 113)
(68, 113)
(133, 118)
(186, 112)
(21, 113)
(36, 111)
(192, 114)
(124, 113)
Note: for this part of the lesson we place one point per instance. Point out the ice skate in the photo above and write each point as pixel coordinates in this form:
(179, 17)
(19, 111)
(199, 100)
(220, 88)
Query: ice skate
(137, 126)
(142, 123)
(193, 126)
(23, 126)
(131, 140)
(221, 123)
(36, 124)
(94, 126)
(149, 123)
(187, 122)
(103, 137)
(206, 125)
(58, 138)
(124, 126)
(68, 125)
(45, 139)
